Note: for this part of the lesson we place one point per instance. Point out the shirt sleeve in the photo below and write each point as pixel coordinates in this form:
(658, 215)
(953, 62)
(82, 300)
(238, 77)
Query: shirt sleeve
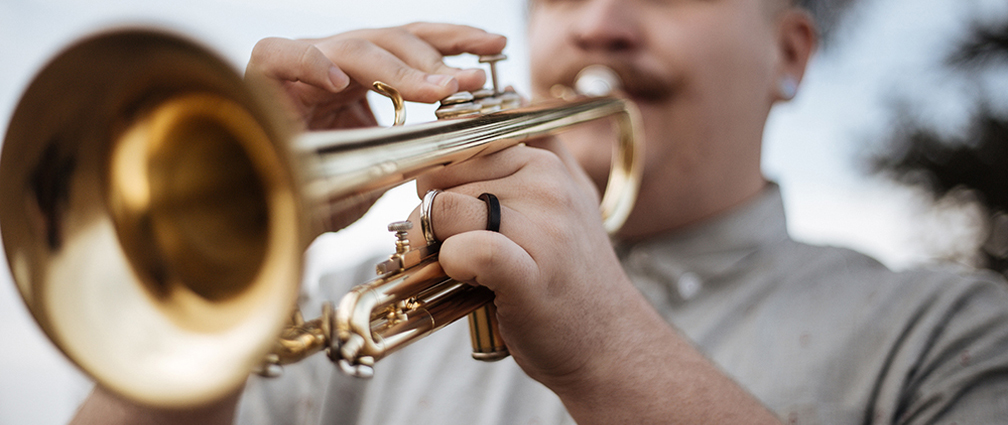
(960, 371)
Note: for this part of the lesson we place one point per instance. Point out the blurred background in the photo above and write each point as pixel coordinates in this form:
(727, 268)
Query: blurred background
(897, 144)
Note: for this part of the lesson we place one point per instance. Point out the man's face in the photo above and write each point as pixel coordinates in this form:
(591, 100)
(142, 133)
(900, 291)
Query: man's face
(703, 73)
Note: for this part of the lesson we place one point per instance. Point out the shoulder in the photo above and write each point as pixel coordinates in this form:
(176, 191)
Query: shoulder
(859, 298)
(930, 342)
(846, 270)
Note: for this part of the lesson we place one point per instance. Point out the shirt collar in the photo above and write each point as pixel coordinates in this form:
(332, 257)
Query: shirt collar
(698, 256)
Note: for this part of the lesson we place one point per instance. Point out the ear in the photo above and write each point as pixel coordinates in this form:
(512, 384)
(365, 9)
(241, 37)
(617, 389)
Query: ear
(797, 41)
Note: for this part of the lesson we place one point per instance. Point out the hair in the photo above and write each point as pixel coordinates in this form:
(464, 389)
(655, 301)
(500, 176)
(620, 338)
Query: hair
(828, 14)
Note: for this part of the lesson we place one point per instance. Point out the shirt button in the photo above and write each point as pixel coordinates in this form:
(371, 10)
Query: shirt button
(639, 258)
(689, 285)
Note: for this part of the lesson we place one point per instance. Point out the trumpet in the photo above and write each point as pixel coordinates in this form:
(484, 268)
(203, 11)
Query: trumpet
(157, 206)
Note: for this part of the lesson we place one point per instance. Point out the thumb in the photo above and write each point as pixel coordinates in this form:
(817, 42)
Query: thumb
(295, 60)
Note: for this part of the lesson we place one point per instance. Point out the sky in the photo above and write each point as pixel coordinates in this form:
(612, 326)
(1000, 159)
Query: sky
(886, 51)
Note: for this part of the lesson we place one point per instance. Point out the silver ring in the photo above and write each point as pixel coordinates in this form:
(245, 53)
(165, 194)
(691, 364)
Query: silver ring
(425, 217)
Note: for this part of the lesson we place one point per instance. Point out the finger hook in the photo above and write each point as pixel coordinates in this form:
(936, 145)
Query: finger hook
(397, 101)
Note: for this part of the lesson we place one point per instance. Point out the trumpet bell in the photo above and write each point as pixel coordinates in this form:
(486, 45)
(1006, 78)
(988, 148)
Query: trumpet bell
(150, 218)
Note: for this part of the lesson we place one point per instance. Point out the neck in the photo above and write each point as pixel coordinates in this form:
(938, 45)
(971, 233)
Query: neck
(659, 210)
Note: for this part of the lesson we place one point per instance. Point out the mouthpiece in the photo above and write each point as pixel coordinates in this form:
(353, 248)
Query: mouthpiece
(597, 81)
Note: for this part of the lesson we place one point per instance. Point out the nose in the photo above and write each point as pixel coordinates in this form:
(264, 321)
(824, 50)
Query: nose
(607, 26)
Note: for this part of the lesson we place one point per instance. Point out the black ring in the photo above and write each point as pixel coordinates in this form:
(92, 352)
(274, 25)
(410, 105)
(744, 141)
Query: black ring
(493, 211)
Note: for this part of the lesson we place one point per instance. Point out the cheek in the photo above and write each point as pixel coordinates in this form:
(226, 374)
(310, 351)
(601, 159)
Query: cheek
(738, 65)
(724, 81)
(547, 49)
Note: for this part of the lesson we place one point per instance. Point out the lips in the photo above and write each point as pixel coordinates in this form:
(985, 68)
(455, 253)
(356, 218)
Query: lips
(640, 85)
(645, 96)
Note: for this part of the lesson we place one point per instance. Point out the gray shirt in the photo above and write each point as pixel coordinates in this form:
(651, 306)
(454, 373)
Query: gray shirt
(820, 335)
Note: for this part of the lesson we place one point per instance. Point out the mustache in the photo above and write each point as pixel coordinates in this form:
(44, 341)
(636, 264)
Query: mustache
(637, 82)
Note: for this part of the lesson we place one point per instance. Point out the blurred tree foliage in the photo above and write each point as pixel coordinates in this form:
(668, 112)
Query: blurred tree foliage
(975, 159)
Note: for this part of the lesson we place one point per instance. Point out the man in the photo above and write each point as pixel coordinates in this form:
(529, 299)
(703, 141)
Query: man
(705, 312)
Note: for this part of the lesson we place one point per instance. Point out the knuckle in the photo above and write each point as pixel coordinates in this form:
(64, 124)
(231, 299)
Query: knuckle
(403, 73)
(415, 26)
(264, 48)
(559, 197)
(545, 160)
(400, 31)
(486, 255)
(435, 179)
(390, 36)
(353, 46)
(257, 50)
(450, 207)
(425, 29)
(435, 64)
(266, 43)
(309, 54)
(422, 187)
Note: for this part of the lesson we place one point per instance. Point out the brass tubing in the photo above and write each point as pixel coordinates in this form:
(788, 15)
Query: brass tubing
(487, 343)
(353, 162)
(459, 300)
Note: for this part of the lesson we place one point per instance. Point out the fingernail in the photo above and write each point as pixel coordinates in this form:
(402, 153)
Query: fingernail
(339, 80)
(440, 80)
(476, 73)
(479, 72)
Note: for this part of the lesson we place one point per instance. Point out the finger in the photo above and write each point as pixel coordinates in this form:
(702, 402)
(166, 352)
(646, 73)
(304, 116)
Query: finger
(451, 40)
(295, 60)
(366, 62)
(356, 115)
(524, 165)
(457, 39)
(453, 213)
(554, 145)
(312, 96)
(495, 166)
(336, 216)
(491, 260)
(571, 163)
(421, 55)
